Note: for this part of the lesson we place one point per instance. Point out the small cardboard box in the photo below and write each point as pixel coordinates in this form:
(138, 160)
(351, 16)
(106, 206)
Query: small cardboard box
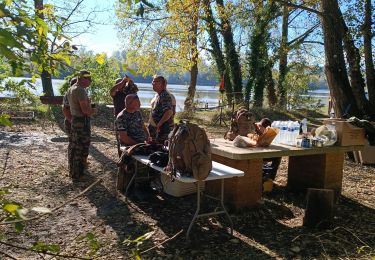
(347, 134)
(177, 188)
(367, 154)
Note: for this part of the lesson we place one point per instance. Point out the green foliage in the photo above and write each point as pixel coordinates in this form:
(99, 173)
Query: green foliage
(42, 247)
(11, 210)
(4, 120)
(257, 57)
(163, 40)
(136, 243)
(93, 242)
(103, 70)
(22, 90)
(297, 82)
(23, 37)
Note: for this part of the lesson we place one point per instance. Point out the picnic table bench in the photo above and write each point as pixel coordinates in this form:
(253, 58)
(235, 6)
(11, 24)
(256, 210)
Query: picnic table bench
(219, 172)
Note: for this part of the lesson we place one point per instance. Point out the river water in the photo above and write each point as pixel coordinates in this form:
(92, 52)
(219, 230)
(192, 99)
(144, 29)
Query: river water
(205, 95)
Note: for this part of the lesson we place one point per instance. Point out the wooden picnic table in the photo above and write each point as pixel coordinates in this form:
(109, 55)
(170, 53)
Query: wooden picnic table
(307, 168)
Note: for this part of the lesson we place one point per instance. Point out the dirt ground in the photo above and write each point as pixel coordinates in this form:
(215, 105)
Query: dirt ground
(33, 165)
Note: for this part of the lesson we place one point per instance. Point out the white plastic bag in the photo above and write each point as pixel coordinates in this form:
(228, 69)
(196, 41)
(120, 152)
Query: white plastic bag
(327, 134)
(241, 141)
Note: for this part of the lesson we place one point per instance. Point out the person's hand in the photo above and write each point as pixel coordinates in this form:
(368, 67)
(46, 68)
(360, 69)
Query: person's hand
(158, 126)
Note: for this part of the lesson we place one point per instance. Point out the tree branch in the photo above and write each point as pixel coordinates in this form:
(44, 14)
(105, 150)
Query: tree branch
(292, 19)
(56, 208)
(303, 36)
(300, 7)
(65, 21)
(314, 42)
(46, 253)
(157, 245)
(8, 255)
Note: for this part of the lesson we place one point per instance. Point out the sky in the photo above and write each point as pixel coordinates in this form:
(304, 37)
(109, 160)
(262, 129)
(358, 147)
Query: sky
(102, 38)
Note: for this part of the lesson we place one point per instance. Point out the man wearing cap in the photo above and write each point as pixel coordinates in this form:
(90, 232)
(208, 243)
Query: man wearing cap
(122, 88)
(129, 122)
(81, 111)
(161, 119)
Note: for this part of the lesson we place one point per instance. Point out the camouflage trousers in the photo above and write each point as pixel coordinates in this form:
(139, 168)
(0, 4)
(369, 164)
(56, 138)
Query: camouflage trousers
(78, 149)
(68, 131)
(162, 135)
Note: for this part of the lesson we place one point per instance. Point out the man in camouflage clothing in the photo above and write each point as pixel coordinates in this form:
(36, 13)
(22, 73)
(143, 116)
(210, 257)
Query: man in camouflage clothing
(120, 90)
(81, 111)
(68, 117)
(129, 122)
(161, 119)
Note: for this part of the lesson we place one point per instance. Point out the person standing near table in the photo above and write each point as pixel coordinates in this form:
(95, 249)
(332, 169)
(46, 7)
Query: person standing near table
(120, 90)
(81, 111)
(161, 119)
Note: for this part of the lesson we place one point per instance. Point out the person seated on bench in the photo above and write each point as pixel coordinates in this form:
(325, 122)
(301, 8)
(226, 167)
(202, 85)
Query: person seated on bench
(129, 122)
(270, 165)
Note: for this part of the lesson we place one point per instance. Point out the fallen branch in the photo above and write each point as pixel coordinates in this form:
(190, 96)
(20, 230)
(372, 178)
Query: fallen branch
(6, 161)
(354, 235)
(56, 208)
(46, 253)
(168, 239)
(8, 255)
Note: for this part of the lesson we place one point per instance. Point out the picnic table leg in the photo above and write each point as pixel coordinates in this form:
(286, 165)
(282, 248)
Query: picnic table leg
(244, 192)
(197, 210)
(322, 171)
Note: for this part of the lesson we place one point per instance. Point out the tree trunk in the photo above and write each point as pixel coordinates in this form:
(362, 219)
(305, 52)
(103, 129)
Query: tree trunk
(192, 88)
(43, 47)
(47, 83)
(270, 86)
(216, 50)
(194, 53)
(258, 57)
(283, 63)
(354, 65)
(369, 62)
(233, 63)
(335, 68)
(319, 208)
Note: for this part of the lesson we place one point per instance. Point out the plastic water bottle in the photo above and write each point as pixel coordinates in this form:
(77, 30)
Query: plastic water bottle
(276, 124)
(290, 138)
(295, 132)
(304, 125)
(283, 131)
